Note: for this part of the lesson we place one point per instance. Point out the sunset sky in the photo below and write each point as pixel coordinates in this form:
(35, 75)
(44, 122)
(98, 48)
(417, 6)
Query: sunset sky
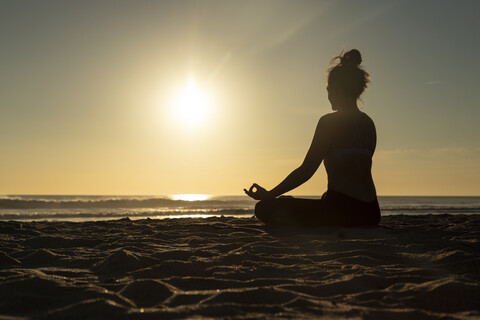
(91, 93)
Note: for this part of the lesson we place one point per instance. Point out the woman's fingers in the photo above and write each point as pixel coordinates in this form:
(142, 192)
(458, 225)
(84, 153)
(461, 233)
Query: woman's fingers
(254, 186)
(250, 193)
(258, 187)
(256, 192)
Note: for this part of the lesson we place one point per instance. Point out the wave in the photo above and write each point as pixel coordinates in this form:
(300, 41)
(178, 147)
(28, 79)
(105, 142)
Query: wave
(200, 204)
(14, 203)
(35, 215)
(112, 207)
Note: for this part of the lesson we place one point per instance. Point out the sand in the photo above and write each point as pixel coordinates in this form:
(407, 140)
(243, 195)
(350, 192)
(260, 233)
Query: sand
(410, 267)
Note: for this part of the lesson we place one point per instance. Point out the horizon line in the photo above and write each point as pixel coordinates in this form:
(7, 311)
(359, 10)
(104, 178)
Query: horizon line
(214, 195)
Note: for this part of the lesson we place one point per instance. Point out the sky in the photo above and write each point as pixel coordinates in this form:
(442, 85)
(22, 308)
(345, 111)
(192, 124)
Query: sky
(90, 93)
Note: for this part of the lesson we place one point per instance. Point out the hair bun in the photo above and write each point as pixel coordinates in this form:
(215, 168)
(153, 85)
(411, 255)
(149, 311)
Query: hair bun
(351, 57)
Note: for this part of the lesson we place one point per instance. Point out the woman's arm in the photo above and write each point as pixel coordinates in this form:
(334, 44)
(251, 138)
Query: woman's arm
(297, 177)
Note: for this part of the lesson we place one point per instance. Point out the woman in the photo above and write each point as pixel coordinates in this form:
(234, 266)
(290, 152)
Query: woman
(345, 140)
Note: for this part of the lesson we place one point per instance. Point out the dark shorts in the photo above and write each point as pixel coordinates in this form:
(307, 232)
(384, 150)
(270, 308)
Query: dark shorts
(334, 209)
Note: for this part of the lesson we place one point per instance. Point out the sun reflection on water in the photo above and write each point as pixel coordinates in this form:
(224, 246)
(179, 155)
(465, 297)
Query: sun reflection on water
(188, 216)
(190, 197)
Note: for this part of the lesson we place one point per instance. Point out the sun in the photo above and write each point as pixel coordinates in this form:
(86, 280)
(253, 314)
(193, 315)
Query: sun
(191, 104)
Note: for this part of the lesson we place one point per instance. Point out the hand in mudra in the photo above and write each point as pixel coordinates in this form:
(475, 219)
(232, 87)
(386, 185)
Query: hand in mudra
(258, 193)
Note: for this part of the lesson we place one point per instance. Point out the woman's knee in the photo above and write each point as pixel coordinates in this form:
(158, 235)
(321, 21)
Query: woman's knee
(260, 208)
(264, 209)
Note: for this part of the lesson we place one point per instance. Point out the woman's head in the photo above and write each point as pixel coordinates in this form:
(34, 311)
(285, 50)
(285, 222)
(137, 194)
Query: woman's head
(347, 80)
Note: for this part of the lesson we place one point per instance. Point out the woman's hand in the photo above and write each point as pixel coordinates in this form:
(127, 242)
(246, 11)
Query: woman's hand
(258, 193)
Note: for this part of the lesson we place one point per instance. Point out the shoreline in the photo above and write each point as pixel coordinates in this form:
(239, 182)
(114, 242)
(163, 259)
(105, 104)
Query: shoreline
(80, 219)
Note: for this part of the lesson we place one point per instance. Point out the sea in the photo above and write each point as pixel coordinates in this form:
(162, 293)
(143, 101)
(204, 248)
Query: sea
(106, 207)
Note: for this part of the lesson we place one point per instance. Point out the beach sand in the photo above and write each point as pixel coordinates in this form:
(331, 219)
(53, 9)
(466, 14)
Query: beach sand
(410, 267)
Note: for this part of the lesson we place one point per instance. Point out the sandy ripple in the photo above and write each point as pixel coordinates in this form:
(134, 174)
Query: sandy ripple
(418, 267)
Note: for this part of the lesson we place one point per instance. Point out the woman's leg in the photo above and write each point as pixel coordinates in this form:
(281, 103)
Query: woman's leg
(334, 209)
(289, 211)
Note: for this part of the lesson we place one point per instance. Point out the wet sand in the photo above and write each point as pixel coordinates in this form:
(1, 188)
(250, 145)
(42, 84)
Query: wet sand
(417, 267)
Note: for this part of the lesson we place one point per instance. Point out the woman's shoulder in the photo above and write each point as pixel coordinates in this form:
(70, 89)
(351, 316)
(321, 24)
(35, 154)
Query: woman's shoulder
(339, 118)
(339, 115)
(367, 118)
(329, 117)
(327, 121)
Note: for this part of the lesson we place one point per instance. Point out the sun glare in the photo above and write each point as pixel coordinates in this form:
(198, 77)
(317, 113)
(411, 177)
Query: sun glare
(190, 197)
(191, 104)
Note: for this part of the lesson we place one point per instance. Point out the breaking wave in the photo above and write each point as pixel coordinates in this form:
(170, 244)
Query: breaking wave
(114, 207)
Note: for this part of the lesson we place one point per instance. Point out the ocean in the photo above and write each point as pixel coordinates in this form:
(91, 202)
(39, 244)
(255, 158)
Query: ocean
(87, 208)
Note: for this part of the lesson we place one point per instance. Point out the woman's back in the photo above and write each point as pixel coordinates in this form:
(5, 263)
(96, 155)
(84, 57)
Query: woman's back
(349, 159)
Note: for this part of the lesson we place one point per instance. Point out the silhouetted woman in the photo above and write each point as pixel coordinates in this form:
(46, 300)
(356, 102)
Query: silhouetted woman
(345, 140)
